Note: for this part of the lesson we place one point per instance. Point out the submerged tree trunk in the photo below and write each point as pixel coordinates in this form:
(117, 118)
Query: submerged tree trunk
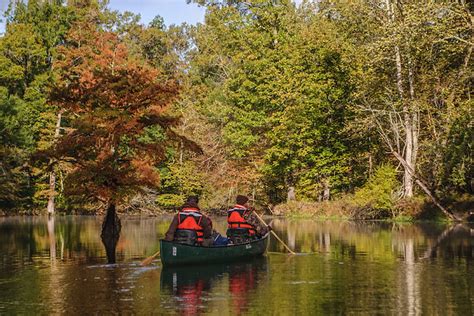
(111, 232)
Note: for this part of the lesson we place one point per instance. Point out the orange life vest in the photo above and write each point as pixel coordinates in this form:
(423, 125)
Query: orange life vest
(235, 219)
(190, 219)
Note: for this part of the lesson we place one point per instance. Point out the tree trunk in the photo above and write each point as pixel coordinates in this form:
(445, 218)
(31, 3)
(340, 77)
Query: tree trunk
(424, 187)
(408, 126)
(326, 192)
(408, 179)
(111, 228)
(370, 164)
(291, 194)
(52, 185)
(407, 176)
(412, 129)
(181, 149)
(52, 175)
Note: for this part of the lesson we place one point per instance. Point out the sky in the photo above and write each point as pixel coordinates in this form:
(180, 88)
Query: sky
(172, 11)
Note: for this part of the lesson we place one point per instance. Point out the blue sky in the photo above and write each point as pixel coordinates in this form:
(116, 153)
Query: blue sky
(172, 11)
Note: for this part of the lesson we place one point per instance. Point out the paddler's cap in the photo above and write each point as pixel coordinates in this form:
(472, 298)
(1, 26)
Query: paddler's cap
(241, 199)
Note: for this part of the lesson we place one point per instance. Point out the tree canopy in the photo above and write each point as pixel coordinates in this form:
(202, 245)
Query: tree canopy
(275, 100)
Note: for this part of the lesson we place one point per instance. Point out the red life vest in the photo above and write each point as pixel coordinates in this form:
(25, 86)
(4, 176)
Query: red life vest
(235, 219)
(190, 219)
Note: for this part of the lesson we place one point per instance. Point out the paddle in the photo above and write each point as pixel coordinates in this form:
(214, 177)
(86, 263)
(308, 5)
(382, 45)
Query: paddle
(149, 260)
(265, 203)
(274, 234)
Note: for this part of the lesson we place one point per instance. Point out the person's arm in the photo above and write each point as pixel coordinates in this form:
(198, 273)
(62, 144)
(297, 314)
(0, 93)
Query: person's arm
(169, 236)
(259, 227)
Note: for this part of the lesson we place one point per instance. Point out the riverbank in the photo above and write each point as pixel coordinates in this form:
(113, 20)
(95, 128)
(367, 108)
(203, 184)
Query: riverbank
(415, 209)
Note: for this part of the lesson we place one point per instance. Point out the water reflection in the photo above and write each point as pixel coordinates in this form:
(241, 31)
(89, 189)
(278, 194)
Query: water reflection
(447, 237)
(376, 239)
(190, 289)
(57, 265)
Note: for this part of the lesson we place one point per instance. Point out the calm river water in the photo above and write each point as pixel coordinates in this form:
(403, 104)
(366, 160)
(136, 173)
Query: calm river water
(58, 267)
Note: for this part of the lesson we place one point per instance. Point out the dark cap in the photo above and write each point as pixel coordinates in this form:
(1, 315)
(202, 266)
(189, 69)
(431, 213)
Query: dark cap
(191, 201)
(241, 199)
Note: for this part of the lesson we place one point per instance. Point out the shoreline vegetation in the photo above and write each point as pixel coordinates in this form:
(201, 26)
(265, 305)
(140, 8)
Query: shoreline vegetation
(415, 210)
(355, 110)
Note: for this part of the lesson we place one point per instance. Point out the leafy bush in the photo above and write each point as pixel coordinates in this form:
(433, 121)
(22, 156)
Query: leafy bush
(181, 180)
(169, 201)
(377, 194)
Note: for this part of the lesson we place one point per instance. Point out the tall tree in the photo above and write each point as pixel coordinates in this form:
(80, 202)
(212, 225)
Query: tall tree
(118, 131)
(33, 30)
(412, 70)
(278, 92)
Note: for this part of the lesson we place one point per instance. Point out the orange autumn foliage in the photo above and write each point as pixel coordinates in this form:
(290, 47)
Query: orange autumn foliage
(111, 100)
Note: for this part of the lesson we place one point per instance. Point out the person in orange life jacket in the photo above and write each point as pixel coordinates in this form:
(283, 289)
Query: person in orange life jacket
(243, 225)
(190, 226)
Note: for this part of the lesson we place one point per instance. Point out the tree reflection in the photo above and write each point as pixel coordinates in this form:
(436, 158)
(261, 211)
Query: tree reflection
(52, 239)
(431, 251)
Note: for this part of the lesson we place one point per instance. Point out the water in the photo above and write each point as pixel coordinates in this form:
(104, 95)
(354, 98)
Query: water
(348, 268)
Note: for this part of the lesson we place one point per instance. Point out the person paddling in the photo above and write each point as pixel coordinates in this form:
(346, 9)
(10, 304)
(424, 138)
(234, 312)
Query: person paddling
(242, 224)
(190, 226)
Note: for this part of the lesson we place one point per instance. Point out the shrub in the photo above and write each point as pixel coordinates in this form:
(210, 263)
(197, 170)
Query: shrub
(376, 196)
(170, 201)
(410, 208)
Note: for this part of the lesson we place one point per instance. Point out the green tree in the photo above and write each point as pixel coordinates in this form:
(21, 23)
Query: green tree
(412, 64)
(33, 30)
(278, 91)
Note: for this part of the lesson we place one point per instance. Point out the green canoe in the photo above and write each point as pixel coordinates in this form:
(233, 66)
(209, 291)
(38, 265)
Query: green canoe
(173, 254)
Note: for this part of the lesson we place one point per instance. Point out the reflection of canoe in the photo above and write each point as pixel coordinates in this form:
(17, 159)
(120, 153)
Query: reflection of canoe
(181, 276)
(187, 290)
(178, 254)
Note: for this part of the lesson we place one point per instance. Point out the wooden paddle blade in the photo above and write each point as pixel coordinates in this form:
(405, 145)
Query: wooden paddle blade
(149, 260)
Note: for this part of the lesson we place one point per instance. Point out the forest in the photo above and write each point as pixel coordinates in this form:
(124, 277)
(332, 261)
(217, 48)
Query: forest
(355, 109)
